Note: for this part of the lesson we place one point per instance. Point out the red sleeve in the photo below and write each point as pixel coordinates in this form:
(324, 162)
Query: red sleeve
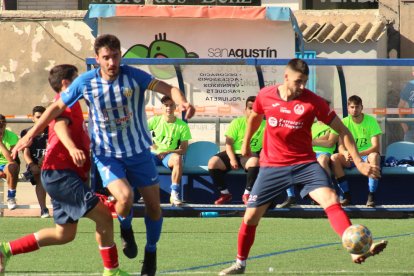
(324, 113)
(257, 105)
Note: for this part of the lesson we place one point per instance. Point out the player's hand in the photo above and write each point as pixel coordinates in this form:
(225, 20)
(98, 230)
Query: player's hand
(369, 170)
(78, 156)
(234, 165)
(189, 110)
(23, 143)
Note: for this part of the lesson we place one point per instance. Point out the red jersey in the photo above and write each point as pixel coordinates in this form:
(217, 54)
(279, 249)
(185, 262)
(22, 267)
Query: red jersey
(57, 156)
(288, 139)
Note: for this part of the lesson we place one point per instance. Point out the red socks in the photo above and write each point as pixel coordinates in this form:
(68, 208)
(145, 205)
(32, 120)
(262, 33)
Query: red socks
(24, 245)
(338, 218)
(245, 240)
(109, 257)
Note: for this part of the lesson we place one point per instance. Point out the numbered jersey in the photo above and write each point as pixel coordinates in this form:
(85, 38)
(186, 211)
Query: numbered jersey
(167, 136)
(236, 131)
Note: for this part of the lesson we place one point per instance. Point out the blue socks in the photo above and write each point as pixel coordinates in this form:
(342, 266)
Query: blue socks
(154, 228)
(290, 191)
(126, 223)
(372, 185)
(11, 193)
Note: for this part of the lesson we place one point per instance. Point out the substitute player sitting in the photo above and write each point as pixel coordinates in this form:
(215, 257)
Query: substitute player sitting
(231, 158)
(170, 137)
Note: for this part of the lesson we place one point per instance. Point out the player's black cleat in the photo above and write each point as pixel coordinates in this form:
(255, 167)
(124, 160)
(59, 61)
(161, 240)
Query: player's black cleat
(129, 246)
(149, 265)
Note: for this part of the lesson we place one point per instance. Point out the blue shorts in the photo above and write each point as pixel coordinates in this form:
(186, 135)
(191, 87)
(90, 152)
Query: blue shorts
(364, 158)
(273, 181)
(159, 162)
(139, 170)
(71, 197)
(322, 153)
(2, 167)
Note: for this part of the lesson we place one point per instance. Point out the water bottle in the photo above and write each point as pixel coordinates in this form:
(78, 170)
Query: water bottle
(209, 214)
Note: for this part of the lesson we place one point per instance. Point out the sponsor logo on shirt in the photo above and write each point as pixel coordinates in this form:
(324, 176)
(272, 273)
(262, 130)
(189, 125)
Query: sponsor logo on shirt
(285, 110)
(275, 104)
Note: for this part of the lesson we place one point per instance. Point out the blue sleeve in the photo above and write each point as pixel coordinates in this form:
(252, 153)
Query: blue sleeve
(407, 91)
(141, 77)
(74, 92)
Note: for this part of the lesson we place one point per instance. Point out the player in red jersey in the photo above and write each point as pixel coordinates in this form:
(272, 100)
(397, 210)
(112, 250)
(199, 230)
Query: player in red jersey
(287, 157)
(64, 172)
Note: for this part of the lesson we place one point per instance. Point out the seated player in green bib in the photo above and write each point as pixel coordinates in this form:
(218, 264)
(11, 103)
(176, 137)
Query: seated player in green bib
(170, 142)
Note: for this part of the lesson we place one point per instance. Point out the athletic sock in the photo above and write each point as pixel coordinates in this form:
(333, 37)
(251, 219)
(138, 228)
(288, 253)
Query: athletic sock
(175, 187)
(343, 184)
(245, 240)
(372, 185)
(153, 228)
(24, 244)
(126, 223)
(338, 218)
(218, 177)
(11, 193)
(290, 191)
(252, 173)
(109, 257)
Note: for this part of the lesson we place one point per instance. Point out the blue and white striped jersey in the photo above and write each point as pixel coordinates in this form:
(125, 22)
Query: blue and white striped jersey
(117, 120)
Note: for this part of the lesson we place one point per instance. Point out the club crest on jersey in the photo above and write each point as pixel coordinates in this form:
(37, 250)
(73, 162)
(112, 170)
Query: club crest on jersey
(299, 109)
(127, 92)
(272, 121)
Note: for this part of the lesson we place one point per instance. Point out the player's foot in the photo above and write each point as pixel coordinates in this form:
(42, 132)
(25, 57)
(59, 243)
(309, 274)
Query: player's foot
(223, 199)
(371, 200)
(245, 198)
(115, 272)
(287, 203)
(4, 256)
(234, 269)
(175, 200)
(45, 213)
(346, 199)
(149, 265)
(375, 249)
(129, 246)
(11, 203)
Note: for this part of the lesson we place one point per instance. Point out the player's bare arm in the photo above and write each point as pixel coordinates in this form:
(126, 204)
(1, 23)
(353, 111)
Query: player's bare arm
(253, 123)
(230, 153)
(63, 133)
(349, 143)
(51, 113)
(178, 97)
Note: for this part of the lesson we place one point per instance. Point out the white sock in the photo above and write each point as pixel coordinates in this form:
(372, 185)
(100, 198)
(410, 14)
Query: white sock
(246, 192)
(241, 262)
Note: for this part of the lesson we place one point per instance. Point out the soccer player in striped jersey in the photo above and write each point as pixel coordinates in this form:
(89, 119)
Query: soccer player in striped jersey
(120, 140)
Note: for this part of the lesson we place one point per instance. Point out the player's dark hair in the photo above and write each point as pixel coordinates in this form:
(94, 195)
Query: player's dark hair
(59, 73)
(250, 99)
(108, 41)
(354, 99)
(299, 65)
(38, 108)
(165, 99)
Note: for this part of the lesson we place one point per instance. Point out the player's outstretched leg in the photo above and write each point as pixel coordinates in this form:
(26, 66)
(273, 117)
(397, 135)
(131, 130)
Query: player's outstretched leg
(375, 249)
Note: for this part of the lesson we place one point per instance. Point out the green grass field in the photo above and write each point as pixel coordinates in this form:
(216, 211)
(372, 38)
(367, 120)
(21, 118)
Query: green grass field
(204, 246)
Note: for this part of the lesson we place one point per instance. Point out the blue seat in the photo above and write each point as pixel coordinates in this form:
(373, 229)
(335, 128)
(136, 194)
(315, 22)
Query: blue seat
(400, 150)
(197, 156)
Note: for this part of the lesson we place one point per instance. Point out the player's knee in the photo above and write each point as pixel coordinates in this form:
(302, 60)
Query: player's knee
(13, 169)
(213, 163)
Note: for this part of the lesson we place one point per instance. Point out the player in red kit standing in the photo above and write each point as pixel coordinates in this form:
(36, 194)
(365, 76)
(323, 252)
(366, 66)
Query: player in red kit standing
(287, 157)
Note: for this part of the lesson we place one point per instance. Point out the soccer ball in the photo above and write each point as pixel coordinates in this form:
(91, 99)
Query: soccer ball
(357, 239)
